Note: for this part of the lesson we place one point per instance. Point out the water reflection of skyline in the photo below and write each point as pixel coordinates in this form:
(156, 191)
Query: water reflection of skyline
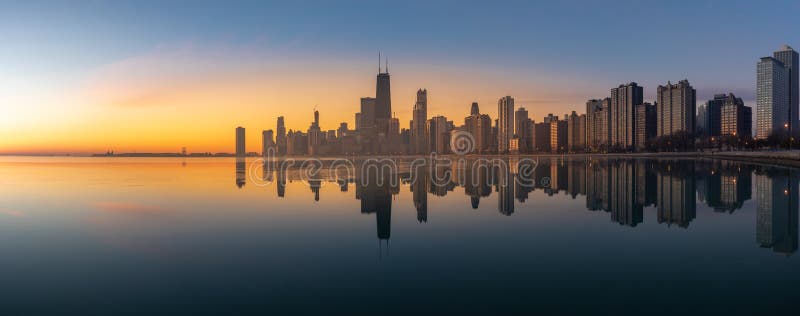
(621, 187)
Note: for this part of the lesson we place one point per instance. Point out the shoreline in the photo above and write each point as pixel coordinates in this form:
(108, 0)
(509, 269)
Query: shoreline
(780, 158)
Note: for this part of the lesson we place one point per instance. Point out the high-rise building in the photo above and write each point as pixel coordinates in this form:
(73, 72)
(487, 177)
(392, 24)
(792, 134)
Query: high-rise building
(280, 136)
(576, 132)
(772, 98)
(240, 144)
(736, 119)
(675, 108)
(439, 134)
(713, 115)
(419, 132)
(505, 125)
(593, 106)
(521, 129)
(314, 135)
(368, 115)
(267, 142)
(645, 125)
(623, 99)
(480, 127)
(383, 100)
(789, 58)
(558, 135)
(701, 122)
(541, 139)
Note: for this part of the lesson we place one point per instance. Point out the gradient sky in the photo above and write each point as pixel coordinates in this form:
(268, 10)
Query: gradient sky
(83, 77)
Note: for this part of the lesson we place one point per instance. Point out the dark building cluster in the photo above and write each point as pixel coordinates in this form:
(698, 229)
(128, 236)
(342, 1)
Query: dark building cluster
(619, 122)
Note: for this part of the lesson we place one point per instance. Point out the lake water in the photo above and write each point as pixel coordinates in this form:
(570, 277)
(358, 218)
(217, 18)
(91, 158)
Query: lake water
(210, 235)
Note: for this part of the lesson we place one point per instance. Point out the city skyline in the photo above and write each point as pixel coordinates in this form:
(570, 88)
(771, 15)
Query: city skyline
(189, 86)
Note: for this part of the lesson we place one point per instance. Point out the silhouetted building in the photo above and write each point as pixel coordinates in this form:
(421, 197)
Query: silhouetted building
(419, 121)
(576, 132)
(789, 58)
(521, 129)
(267, 142)
(645, 125)
(280, 137)
(240, 143)
(558, 135)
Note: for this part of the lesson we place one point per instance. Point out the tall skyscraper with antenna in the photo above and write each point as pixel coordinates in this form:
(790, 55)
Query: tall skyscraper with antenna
(383, 99)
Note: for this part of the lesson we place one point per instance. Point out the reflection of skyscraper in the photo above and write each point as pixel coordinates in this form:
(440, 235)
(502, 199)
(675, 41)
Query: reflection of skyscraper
(281, 185)
(240, 172)
(624, 207)
(420, 183)
(676, 193)
(505, 189)
(374, 190)
(776, 209)
(240, 144)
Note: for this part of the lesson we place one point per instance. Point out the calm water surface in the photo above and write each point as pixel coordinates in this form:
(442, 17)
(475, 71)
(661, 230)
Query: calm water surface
(172, 235)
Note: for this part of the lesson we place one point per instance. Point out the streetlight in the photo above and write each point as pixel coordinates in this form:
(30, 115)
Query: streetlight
(789, 131)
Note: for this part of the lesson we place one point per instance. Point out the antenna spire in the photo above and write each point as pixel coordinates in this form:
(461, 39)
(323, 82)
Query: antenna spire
(387, 64)
(379, 61)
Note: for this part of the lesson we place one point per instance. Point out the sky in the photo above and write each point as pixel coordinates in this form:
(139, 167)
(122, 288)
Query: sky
(154, 76)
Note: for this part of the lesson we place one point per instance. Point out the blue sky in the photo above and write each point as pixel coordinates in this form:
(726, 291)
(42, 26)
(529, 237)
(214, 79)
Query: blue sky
(715, 43)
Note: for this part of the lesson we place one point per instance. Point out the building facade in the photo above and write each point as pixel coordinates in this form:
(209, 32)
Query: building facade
(505, 123)
(772, 98)
(675, 108)
(623, 116)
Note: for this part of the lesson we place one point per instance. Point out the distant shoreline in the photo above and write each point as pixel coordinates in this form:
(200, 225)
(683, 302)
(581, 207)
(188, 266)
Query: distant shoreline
(783, 158)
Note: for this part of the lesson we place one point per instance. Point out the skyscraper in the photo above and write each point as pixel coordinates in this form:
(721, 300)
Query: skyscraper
(558, 135)
(645, 125)
(240, 144)
(789, 58)
(383, 100)
(267, 142)
(314, 135)
(419, 134)
(576, 132)
(675, 108)
(480, 127)
(592, 107)
(439, 134)
(623, 99)
(735, 118)
(280, 137)
(713, 115)
(772, 97)
(505, 124)
(521, 128)
(366, 123)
